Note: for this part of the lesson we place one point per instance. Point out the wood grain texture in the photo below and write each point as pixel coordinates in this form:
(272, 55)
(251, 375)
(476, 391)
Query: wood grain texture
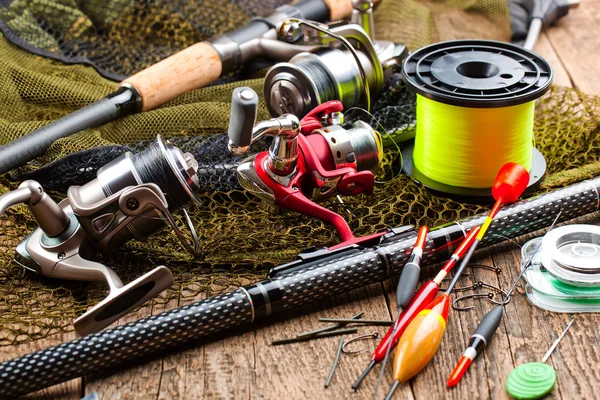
(544, 48)
(245, 365)
(139, 382)
(299, 370)
(192, 68)
(575, 40)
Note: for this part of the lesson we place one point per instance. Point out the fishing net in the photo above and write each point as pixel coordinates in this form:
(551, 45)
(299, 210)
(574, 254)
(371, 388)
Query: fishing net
(240, 239)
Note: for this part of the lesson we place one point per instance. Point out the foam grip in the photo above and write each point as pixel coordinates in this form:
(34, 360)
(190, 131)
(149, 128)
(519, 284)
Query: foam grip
(36, 143)
(339, 9)
(192, 68)
(244, 105)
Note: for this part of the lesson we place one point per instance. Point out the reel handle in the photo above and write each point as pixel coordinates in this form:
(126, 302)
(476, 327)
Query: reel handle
(49, 216)
(244, 105)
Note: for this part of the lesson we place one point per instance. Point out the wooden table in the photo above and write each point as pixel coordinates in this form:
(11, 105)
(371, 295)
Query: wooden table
(246, 365)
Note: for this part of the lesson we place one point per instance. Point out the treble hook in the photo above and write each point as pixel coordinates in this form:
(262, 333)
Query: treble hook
(373, 335)
(489, 296)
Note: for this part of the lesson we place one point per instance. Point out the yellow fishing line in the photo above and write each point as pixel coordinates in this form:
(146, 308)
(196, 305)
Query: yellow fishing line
(465, 147)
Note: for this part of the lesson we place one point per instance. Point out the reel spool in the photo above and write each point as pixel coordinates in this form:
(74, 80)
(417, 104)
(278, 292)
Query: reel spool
(565, 273)
(475, 101)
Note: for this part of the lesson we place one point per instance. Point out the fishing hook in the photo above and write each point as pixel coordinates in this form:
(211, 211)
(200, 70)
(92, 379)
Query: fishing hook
(497, 270)
(489, 296)
(373, 335)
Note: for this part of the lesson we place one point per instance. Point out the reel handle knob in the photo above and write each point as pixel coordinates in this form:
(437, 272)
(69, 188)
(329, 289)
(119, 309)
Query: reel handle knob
(244, 106)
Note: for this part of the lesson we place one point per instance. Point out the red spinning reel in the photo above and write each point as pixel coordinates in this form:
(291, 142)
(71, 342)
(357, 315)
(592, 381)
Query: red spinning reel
(307, 161)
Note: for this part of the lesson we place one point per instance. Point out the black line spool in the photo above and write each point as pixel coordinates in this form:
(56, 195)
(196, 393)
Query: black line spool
(475, 101)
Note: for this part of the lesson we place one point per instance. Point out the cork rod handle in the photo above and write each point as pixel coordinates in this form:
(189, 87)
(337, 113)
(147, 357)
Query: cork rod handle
(195, 67)
(191, 68)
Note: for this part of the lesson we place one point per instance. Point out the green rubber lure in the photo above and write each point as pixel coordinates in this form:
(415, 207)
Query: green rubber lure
(531, 381)
(534, 380)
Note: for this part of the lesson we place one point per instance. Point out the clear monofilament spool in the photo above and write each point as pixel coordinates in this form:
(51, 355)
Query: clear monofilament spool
(475, 109)
(565, 273)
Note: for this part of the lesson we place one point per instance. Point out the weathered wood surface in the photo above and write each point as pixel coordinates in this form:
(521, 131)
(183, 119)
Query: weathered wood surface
(247, 366)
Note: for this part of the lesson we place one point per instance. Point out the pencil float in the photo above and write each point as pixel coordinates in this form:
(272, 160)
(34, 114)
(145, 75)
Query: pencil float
(405, 290)
(480, 338)
(487, 327)
(424, 334)
(424, 296)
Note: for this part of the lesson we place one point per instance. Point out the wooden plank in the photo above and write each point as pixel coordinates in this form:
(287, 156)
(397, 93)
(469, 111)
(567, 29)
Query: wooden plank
(575, 40)
(299, 370)
(139, 382)
(483, 377)
(544, 48)
(221, 368)
(183, 373)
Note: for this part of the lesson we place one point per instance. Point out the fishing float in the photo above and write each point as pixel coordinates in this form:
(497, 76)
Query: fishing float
(423, 335)
(487, 327)
(424, 296)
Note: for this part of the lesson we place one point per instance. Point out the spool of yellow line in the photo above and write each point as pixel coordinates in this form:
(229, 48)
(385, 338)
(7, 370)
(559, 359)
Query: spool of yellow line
(475, 113)
(451, 141)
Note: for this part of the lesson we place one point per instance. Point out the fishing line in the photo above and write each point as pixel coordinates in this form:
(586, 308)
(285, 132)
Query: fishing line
(565, 277)
(475, 113)
(153, 166)
(450, 139)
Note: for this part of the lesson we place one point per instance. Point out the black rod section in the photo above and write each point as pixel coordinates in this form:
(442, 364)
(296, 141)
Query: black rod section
(26, 148)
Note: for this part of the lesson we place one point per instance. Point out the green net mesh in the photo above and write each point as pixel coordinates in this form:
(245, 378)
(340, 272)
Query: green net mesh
(240, 239)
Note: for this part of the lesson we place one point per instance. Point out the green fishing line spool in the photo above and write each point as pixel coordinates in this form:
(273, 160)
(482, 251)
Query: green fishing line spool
(475, 108)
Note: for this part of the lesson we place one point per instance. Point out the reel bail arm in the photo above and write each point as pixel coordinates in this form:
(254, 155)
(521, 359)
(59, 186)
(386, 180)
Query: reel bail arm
(340, 62)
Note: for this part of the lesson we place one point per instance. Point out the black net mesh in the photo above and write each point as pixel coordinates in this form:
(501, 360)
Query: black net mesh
(240, 239)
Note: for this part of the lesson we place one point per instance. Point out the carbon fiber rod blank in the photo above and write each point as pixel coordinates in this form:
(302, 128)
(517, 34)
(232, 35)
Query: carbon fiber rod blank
(312, 277)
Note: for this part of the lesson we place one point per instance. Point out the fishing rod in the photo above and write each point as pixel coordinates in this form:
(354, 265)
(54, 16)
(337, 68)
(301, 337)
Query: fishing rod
(189, 69)
(314, 275)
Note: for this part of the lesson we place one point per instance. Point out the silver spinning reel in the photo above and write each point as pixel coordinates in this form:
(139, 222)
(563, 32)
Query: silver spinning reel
(341, 62)
(132, 197)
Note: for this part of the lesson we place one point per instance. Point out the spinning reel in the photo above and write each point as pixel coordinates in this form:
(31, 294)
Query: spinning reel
(132, 197)
(308, 161)
(341, 62)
